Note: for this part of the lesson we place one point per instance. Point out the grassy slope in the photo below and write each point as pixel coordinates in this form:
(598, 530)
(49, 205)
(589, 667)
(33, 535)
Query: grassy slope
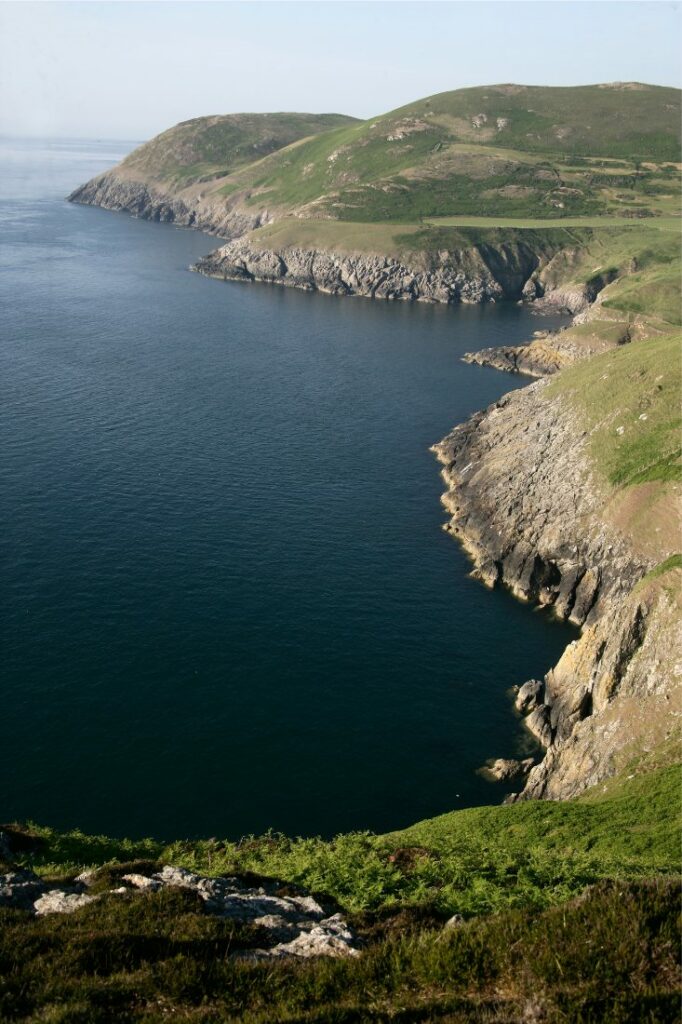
(540, 152)
(210, 147)
(629, 401)
(608, 955)
(472, 861)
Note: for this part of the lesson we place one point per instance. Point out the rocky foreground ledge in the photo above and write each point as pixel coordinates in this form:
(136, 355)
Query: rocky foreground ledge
(527, 509)
(290, 924)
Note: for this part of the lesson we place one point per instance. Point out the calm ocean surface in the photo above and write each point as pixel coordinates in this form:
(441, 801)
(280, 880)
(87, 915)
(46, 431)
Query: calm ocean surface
(227, 601)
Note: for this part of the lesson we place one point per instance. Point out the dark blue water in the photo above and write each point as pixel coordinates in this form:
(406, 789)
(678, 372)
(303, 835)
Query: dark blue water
(228, 603)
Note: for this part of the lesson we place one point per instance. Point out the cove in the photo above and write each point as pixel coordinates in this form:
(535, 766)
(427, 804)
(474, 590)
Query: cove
(228, 603)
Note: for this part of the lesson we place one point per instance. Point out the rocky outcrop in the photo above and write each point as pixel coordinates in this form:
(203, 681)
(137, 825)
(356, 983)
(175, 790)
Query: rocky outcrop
(524, 504)
(209, 211)
(519, 270)
(293, 924)
(483, 273)
(504, 769)
(548, 352)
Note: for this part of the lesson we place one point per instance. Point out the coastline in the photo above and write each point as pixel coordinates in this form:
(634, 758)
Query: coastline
(541, 531)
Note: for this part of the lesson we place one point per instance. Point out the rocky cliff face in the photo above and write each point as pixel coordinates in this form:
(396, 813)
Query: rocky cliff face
(208, 211)
(483, 273)
(527, 509)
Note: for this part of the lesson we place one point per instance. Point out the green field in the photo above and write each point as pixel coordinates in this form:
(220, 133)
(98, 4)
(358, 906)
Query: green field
(537, 223)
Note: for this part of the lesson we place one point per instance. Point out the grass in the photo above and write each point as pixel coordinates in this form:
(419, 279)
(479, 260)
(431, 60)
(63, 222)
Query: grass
(211, 147)
(471, 862)
(610, 956)
(536, 945)
(543, 223)
(580, 121)
(629, 400)
(668, 565)
(541, 155)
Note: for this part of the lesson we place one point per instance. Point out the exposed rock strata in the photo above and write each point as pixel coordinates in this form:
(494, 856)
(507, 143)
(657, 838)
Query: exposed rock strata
(503, 769)
(540, 358)
(211, 212)
(483, 273)
(526, 508)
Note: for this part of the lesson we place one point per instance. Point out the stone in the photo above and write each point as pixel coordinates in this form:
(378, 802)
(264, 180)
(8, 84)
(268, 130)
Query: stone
(20, 889)
(142, 882)
(539, 722)
(529, 696)
(58, 901)
(505, 768)
(454, 922)
(331, 937)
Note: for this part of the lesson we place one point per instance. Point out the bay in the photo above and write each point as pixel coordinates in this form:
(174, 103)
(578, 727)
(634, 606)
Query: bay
(227, 601)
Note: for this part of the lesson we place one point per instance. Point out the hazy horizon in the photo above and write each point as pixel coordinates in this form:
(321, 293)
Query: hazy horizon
(127, 71)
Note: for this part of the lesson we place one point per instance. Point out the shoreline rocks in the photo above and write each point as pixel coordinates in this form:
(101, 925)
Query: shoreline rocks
(504, 769)
(525, 506)
(482, 273)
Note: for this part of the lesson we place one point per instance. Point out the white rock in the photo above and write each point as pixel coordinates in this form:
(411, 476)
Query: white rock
(142, 882)
(56, 901)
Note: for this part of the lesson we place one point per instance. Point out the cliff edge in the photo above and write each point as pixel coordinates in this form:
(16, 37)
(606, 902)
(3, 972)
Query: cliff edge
(567, 493)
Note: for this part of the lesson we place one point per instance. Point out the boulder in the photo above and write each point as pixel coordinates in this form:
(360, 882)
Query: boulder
(58, 901)
(529, 696)
(540, 724)
(505, 768)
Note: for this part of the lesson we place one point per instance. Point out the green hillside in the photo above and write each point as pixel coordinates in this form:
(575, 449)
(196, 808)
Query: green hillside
(499, 151)
(210, 147)
(620, 119)
(502, 151)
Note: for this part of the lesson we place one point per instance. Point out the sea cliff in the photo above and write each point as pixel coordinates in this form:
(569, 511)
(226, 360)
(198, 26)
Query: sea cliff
(533, 512)
(481, 273)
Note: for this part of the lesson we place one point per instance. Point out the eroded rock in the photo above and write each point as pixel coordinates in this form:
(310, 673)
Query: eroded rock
(20, 889)
(503, 769)
(58, 901)
(529, 696)
(296, 924)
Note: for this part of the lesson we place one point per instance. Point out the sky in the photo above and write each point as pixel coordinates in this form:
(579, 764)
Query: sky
(128, 70)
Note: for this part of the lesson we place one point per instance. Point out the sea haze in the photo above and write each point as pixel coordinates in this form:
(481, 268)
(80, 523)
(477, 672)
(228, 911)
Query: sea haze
(228, 603)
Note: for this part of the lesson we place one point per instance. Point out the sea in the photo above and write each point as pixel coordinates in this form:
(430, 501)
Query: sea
(227, 601)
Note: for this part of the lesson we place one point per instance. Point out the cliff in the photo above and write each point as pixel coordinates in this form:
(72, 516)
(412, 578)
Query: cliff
(482, 272)
(536, 512)
(188, 206)
(341, 208)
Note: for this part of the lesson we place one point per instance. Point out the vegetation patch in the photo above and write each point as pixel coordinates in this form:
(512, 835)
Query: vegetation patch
(609, 955)
(473, 861)
(569, 912)
(629, 401)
